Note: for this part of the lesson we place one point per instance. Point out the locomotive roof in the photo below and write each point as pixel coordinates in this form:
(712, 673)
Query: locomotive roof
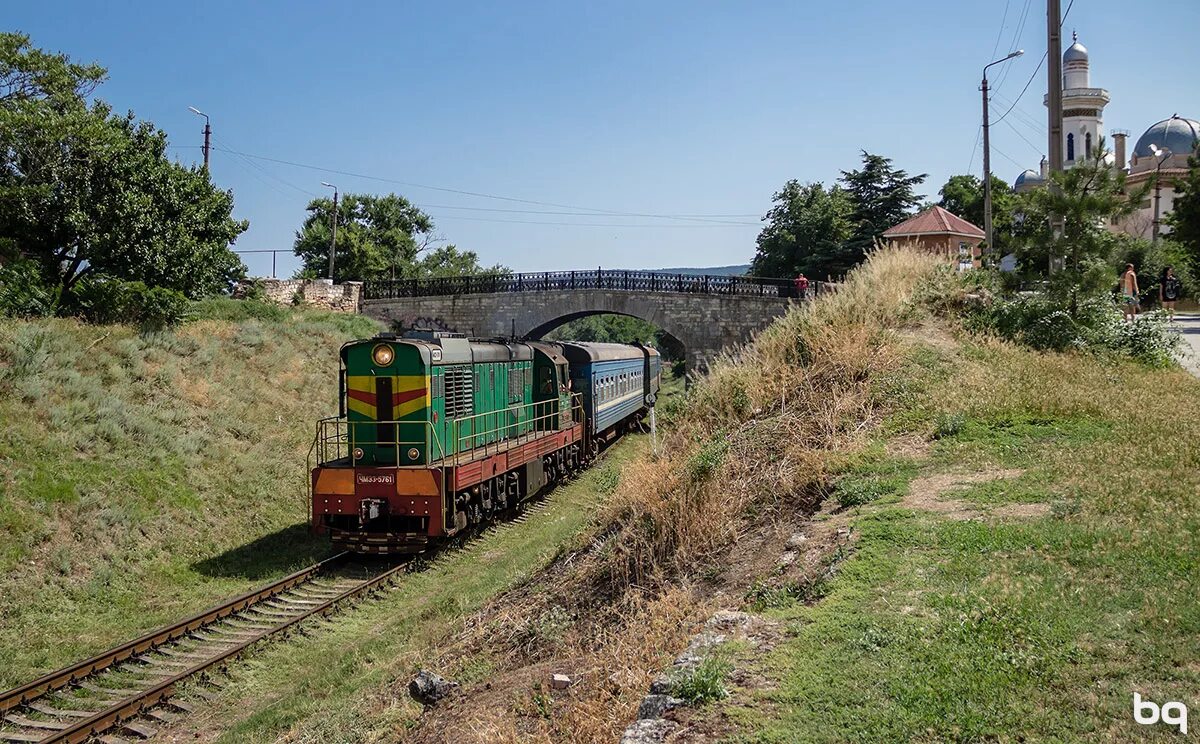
(582, 352)
(456, 349)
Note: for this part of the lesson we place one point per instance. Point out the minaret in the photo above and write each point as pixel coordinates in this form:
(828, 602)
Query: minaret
(1083, 106)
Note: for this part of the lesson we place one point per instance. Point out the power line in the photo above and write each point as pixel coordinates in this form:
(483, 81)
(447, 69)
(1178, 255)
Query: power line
(597, 210)
(591, 224)
(1000, 31)
(1039, 67)
(1036, 149)
(1017, 34)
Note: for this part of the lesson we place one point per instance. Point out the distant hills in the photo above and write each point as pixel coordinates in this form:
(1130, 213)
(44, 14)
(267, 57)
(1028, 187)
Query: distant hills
(738, 270)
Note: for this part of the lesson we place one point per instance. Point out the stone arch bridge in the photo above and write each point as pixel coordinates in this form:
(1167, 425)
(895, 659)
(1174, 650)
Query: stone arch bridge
(703, 313)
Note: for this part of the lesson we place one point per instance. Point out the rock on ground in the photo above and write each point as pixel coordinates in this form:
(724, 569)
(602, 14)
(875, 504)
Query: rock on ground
(427, 688)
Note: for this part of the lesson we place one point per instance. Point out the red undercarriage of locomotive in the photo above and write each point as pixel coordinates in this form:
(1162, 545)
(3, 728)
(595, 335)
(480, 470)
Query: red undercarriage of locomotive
(440, 500)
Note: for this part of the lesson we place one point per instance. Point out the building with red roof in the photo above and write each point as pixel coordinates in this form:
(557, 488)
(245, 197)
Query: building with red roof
(939, 231)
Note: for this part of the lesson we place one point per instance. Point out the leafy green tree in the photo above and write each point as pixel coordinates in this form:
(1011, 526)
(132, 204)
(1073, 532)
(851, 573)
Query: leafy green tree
(963, 195)
(448, 260)
(86, 194)
(882, 196)
(30, 74)
(1086, 197)
(805, 231)
(378, 237)
(1184, 218)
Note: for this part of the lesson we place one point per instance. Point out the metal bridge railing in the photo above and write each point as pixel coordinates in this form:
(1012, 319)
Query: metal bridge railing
(609, 279)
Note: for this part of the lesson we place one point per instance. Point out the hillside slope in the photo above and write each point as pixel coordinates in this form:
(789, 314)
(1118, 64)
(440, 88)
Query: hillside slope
(146, 475)
(937, 537)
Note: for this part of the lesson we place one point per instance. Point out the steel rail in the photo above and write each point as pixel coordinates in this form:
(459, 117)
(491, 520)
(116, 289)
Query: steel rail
(63, 677)
(135, 704)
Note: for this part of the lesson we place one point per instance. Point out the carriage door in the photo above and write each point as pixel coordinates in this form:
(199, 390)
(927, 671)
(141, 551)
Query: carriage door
(564, 398)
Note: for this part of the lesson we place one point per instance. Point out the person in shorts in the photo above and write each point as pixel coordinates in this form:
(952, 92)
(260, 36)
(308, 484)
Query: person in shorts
(1129, 292)
(1169, 290)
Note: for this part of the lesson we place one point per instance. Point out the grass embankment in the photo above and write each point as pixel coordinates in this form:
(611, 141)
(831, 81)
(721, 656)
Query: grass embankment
(1004, 546)
(143, 476)
(1028, 560)
(346, 680)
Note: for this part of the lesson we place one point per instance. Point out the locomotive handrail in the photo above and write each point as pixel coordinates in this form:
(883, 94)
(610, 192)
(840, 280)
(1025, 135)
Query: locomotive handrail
(605, 279)
(552, 412)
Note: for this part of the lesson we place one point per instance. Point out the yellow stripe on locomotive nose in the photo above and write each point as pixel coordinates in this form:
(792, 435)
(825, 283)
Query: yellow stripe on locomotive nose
(360, 390)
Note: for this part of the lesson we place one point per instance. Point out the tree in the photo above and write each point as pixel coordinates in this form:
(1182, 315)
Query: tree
(88, 194)
(30, 74)
(448, 260)
(805, 231)
(963, 195)
(882, 196)
(1085, 197)
(1184, 218)
(378, 237)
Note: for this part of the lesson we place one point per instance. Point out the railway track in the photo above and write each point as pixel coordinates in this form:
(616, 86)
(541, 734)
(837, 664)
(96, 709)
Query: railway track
(120, 695)
(123, 694)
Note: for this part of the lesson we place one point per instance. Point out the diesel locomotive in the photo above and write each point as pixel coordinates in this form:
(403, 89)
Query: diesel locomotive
(436, 432)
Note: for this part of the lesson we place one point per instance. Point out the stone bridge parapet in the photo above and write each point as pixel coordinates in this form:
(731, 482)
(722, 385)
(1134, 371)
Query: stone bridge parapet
(703, 323)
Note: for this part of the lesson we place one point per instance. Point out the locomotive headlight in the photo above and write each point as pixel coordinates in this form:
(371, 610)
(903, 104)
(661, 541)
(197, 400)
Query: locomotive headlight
(358, 453)
(413, 453)
(382, 355)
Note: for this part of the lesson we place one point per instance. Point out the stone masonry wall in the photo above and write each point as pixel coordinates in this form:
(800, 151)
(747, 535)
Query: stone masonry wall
(342, 298)
(703, 323)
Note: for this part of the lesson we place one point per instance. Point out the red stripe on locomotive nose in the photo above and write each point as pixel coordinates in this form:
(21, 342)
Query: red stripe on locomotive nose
(407, 395)
(361, 395)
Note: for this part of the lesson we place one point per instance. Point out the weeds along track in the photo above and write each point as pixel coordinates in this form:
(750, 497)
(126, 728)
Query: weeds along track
(122, 694)
(125, 690)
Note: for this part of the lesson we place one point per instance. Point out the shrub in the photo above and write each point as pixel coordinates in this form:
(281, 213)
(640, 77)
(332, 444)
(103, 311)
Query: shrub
(23, 294)
(1094, 326)
(106, 300)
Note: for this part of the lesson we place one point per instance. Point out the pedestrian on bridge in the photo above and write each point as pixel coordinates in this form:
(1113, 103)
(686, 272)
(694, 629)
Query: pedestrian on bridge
(801, 282)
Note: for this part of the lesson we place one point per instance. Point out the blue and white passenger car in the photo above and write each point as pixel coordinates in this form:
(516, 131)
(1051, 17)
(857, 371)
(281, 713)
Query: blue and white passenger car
(618, 384)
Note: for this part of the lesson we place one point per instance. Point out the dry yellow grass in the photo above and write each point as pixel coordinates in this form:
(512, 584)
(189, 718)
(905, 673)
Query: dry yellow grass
(755, 438)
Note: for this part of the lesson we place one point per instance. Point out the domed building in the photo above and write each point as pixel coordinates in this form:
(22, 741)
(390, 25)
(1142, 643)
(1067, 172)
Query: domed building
(1163, 148)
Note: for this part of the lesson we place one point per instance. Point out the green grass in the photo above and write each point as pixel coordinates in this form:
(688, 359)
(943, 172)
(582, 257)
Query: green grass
(344, 682)
(1003, 629)
(145, 476)
(704, 682)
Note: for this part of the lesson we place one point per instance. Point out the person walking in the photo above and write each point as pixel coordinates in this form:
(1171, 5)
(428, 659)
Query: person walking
(1169, 290)
(1129, 292)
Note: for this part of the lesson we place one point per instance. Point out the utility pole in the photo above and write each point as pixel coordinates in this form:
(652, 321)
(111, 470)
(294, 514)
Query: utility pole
(207, 132)
(1054, 110)
(1161, 155)
(333, 237)
(987, 155)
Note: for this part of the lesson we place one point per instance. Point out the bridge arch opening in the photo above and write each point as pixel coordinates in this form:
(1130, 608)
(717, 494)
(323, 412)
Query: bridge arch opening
(606, 326)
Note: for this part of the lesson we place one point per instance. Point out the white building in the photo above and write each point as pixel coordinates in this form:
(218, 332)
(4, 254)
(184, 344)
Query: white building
(1163, 148)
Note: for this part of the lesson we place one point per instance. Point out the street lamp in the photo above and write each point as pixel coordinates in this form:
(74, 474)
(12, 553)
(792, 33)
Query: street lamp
(333, 237)
(987, 154)
(1162, 154)
(207, 132)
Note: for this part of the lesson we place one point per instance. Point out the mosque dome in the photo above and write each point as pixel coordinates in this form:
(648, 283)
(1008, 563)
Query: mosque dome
(1076, 52)
(1028, 178)
(1177, 134)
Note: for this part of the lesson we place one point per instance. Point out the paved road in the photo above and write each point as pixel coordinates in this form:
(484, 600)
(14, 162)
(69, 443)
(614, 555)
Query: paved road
(1189, 328)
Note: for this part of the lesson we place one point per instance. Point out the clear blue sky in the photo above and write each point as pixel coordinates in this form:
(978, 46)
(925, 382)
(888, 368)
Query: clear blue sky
(678, 108)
